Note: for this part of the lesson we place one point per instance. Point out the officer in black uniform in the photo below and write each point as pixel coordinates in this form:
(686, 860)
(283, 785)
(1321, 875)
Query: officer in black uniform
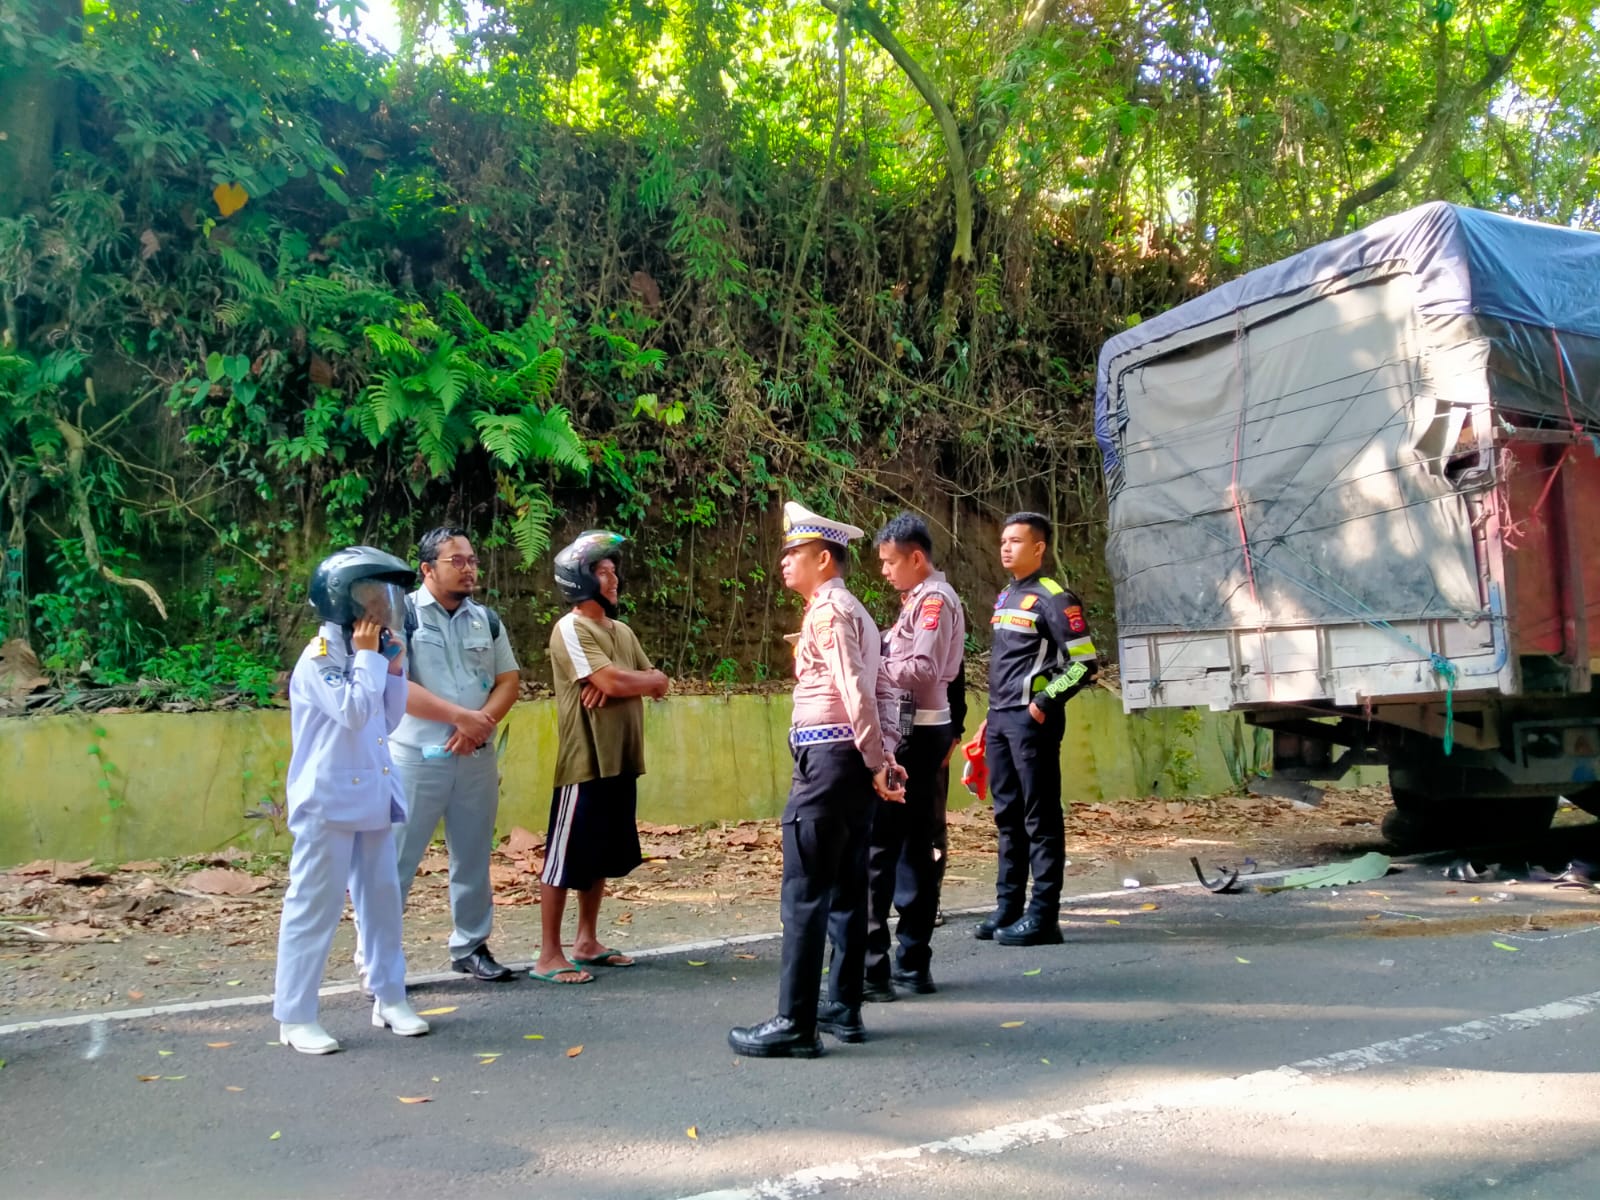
(1042, 657)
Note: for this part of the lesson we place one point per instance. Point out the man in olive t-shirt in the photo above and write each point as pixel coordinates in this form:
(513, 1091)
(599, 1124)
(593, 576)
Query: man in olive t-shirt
(601, 676)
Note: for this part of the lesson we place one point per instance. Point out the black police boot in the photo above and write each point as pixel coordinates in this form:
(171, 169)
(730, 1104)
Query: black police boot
(877, 990)
(777, 1038)
(839, 1019)
(997, 920)
(1032, 930)
(920, 982)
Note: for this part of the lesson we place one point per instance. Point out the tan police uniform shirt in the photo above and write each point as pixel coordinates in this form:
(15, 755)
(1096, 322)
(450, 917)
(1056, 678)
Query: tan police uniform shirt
(837, 681)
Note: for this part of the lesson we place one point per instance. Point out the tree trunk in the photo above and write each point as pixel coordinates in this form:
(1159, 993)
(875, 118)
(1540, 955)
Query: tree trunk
(955, 152)
(36, 110)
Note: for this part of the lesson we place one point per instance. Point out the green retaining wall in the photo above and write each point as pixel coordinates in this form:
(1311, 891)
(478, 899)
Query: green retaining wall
(131, 786)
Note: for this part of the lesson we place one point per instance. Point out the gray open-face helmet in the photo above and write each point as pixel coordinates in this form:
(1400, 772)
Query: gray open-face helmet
(575, 567)
(362, 581)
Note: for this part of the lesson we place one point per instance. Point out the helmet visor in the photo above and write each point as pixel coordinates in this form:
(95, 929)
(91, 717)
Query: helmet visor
(377, 600)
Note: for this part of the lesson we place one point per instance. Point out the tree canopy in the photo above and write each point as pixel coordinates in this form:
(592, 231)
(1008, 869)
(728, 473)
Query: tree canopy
(654, 263)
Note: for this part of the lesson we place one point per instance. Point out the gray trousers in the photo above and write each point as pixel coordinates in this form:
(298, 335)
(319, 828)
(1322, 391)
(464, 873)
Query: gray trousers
(464, 792)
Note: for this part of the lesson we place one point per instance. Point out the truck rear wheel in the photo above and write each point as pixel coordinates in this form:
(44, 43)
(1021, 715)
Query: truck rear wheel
(1428, 821)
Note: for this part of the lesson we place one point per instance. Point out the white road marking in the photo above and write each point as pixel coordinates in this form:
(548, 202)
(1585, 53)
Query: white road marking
(97, 1041)
(344, 989)
(1224, 1091)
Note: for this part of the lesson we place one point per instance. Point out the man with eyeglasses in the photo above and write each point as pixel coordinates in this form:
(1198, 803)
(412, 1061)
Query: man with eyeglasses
(463, 679)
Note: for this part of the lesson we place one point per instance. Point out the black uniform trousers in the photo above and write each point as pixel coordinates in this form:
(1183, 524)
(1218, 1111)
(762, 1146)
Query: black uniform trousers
(1024, 759)
(825, 831)
(902, 867)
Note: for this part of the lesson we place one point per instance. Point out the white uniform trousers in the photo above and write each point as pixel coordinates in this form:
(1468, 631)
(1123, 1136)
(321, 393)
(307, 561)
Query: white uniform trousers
(325, 862)
(463, 791)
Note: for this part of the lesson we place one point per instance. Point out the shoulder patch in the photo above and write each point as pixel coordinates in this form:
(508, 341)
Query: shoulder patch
(1075, 621)
(1050, 585)
(1000, 600)
(320, 645)
(1030, 600)
(822, 628)
(931, 608)
(332, 677)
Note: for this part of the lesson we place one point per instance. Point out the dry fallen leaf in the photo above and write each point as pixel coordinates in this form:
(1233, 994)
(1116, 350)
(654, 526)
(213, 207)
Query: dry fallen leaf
(438, 1012)
(231, 1088)
(574, 1051)
(746, 957)
(533, 1037)
(148, 1078)
(519, 841)
(693, 963)
(174, 1078)
(1148, 907)
(166, 1053)
(1245, 961)
(414, 1099)
(1012, 1024)
(233, 983)
(1112, 921)
(134, 994)
(225, 881)
(1503, 946)
(276, 1135)
(218, 1045)
(693, 1131)
(1035, 971)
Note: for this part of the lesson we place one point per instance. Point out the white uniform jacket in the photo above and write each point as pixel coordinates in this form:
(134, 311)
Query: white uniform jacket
(342, 709)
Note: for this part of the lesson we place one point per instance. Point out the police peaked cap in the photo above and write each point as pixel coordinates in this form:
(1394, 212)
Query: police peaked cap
(343, 569)
(802, 526)
(574, 567)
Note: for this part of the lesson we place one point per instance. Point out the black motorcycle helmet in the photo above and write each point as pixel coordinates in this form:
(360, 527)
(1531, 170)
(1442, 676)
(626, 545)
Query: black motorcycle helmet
(575, 567)
(361, 581)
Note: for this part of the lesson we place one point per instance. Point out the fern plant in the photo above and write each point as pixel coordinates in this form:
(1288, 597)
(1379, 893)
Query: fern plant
(447, 384)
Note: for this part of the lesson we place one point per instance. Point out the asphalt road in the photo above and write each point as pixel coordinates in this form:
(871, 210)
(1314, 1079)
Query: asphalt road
(1374, 1042)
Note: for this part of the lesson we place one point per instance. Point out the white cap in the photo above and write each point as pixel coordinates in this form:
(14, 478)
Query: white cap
(801, 525)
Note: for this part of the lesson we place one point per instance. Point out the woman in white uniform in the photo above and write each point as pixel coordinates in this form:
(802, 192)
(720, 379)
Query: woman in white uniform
(346, 695)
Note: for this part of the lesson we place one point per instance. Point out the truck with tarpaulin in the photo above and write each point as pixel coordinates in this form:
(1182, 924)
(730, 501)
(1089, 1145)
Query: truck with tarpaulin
(1355, 496)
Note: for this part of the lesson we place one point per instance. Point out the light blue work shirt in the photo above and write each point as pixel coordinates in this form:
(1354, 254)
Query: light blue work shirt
(454, 656)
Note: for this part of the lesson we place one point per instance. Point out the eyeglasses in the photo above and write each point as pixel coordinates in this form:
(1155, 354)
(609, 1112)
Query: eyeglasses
(461, 562)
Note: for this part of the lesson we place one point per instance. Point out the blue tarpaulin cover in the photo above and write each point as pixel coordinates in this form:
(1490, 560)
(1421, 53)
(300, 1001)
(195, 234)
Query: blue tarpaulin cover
(1295, 447)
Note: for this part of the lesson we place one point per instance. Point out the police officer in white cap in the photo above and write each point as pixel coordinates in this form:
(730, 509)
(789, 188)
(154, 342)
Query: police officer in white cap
(842, 739)
(346, 696)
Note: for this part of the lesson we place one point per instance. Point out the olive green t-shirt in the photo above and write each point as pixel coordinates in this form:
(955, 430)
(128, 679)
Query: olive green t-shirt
(595, 743)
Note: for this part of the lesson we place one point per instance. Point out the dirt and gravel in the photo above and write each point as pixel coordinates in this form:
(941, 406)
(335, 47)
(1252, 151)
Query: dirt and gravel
(85, 935)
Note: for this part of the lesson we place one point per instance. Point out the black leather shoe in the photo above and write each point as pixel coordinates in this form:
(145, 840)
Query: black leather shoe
(1032, 930)
(778, 1038)
(995, 921)
(839, 1019)
(877, 991)
(920, 982)
(480, 964)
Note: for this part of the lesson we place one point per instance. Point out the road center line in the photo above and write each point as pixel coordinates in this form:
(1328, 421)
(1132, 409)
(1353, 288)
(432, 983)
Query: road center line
(1220, 1092)
(344, 989)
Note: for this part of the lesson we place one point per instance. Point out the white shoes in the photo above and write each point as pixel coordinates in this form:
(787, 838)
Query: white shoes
(308, 1038)
(399, 1017)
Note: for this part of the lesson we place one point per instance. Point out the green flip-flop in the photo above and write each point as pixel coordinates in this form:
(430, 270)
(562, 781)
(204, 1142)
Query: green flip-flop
(555, 976)
(603, 959)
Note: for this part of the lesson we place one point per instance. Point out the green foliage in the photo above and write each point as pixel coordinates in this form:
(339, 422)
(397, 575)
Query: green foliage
(202, 672)
(656, 266)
